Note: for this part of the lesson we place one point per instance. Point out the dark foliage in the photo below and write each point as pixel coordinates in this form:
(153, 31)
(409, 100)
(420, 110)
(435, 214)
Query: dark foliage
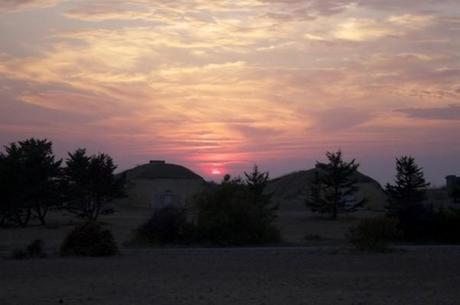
(423, 224)
(256, 183)
(90, 184)
(19, 254)
(374, 235)
(455, 193)
(333, 187)
(33, 250)
(90, 239)
(167, 226)
(409, 190)
(29, 181)
(237, 212)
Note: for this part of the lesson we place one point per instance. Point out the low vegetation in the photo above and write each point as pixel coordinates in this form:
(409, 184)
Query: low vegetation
(90, 239)
(374, 235)
(238, 212)
(167, 226)
(33, 250)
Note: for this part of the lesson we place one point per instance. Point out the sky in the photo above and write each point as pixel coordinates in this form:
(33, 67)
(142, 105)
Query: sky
(219, 85)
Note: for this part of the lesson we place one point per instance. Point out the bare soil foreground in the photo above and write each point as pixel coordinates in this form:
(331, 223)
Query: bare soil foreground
(422, 276)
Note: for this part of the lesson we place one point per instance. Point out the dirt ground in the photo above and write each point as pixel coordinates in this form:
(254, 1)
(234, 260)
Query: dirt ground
(316, 271)
(295, 223)
(422, 276)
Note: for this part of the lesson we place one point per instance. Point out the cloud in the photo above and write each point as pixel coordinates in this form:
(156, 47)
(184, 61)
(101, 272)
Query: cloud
(371, 29)
(232, 82)
(339, 119)
(451, 112)
(19, 5)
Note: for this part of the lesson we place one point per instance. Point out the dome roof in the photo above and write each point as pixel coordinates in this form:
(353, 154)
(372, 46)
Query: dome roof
(293, 187)
(161, 170)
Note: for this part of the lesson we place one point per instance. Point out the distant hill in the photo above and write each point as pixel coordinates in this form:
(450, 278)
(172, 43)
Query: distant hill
(291, 190)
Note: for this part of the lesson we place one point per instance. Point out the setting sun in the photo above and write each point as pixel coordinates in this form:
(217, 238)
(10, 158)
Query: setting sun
(216, 172)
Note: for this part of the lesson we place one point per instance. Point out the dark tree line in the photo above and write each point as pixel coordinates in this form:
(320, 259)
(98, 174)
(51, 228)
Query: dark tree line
(32, 182)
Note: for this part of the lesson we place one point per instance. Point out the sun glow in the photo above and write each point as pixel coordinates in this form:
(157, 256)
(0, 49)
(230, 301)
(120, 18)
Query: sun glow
(216, 172)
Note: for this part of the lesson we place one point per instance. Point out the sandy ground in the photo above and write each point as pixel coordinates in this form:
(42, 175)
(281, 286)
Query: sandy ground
(294, 223)
(237, 276)
(319, 272)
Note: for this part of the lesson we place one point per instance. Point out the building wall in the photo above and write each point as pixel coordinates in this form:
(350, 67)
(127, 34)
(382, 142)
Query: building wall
(148, 193)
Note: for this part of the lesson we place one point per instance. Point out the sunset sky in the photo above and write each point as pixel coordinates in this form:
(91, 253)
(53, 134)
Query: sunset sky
(218, 85)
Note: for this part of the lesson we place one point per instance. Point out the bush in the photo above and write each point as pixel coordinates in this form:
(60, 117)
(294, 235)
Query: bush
(374, 234)
(89, 240)
(228, 215)
(447, 228)
(33, 250)
(19, 254)
(426, 225)
(167, 226)
(313, 237)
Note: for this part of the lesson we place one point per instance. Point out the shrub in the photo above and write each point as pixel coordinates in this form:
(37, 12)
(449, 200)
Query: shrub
(313, 237)
(374, 234)
(89, 240)
(167, 226)
(427, 225)
(228, 215)
(19, 254)
(33, 250)
(447, 226)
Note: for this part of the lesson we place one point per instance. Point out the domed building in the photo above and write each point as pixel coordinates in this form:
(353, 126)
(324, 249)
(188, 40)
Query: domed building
(158, 184)
(291, 190)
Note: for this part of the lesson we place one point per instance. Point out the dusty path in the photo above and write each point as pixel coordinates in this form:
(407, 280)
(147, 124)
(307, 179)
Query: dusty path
(238, 276)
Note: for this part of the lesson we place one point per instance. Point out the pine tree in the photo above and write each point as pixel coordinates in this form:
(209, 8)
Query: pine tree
(409, 189)
(314, 199)
(334, 186)
(256, 182)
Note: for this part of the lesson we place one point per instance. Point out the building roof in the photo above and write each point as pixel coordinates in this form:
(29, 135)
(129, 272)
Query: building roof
(161, 170)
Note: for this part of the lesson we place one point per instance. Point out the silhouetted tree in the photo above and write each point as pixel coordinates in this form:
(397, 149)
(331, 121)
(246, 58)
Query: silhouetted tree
(236, 212)
(90, 184)
(30, 179)
(256, 183)
(314, 199)
(12, 201)
(409, 189)
(333, 186)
